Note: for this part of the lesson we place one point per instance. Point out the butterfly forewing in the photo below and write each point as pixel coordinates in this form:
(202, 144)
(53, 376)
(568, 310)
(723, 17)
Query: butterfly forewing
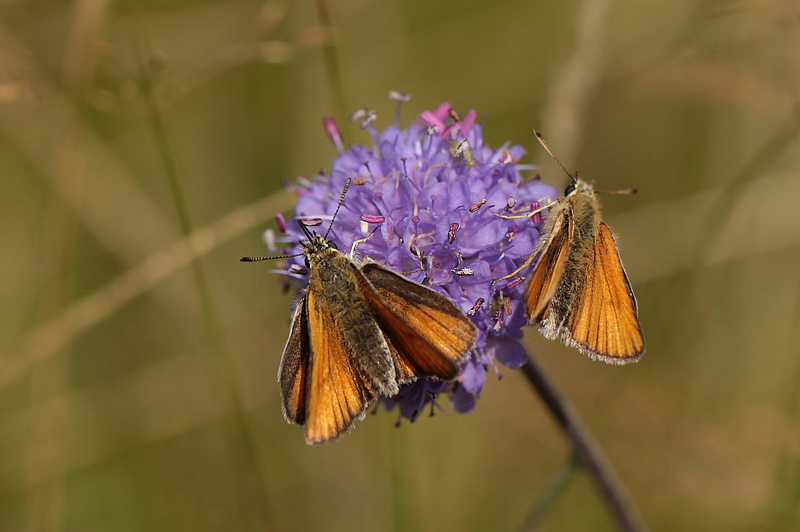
(430, 334)
(293, 371)
(603, 321)
(338, 390)
(549, 269)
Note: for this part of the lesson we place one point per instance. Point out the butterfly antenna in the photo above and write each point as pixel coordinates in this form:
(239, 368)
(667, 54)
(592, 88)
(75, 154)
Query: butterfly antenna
(271, 257)
(305, 230)
(541, 140)
(624, 191)
(341, 200)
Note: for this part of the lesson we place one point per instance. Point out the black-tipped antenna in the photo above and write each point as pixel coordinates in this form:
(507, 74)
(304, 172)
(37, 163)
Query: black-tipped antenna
(623, 191)
(546, 147)
(271, 257)
(341, 200)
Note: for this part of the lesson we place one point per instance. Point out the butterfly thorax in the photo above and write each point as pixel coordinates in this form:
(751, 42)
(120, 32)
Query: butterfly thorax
(330, 269)
(586, 211)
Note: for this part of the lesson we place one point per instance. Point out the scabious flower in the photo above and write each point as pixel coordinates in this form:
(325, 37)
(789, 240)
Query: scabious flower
(432, 193)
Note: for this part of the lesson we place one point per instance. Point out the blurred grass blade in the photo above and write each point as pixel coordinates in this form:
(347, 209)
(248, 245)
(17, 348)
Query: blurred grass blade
(557, 487)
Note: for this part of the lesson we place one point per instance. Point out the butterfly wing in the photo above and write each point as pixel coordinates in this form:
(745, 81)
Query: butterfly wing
(293, 370)
(549, 269)
(338, 392)
(430, 336)
(603, 321)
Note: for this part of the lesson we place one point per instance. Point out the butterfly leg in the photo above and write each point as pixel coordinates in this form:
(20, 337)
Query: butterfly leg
(547, 204)
(359, 241)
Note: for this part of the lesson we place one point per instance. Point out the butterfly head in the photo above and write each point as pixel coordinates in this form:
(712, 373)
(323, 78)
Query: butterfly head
(316, 247)
(578, 186)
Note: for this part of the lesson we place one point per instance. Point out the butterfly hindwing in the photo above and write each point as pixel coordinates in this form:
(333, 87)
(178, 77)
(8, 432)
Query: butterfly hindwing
(293, 370)
(603, 321)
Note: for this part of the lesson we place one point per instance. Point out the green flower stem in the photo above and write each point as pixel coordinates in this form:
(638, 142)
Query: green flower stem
(587, 450)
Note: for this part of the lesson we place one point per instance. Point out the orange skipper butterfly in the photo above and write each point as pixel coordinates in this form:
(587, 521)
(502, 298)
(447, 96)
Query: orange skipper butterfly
(359, 331)
(578, 289)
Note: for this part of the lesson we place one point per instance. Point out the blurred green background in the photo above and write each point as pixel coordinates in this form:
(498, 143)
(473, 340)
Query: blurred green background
(137, 375)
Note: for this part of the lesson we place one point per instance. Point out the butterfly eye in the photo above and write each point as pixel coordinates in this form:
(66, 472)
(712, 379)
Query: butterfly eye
(305, 259)
(569, 190)
(332, 244)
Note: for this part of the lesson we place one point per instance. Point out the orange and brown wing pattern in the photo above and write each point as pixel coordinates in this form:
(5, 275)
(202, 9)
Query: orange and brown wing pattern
(337, 393)
(549, 269)
(429, 334)
(293, 371)
(603, 322)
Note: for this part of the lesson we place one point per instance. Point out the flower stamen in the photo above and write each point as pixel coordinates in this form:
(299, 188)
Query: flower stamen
(311, 222)
(475, 207)
(451, 234)
(514, 282)
(478, 303)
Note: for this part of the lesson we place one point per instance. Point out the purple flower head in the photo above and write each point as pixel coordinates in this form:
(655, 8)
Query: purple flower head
(429, 196)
